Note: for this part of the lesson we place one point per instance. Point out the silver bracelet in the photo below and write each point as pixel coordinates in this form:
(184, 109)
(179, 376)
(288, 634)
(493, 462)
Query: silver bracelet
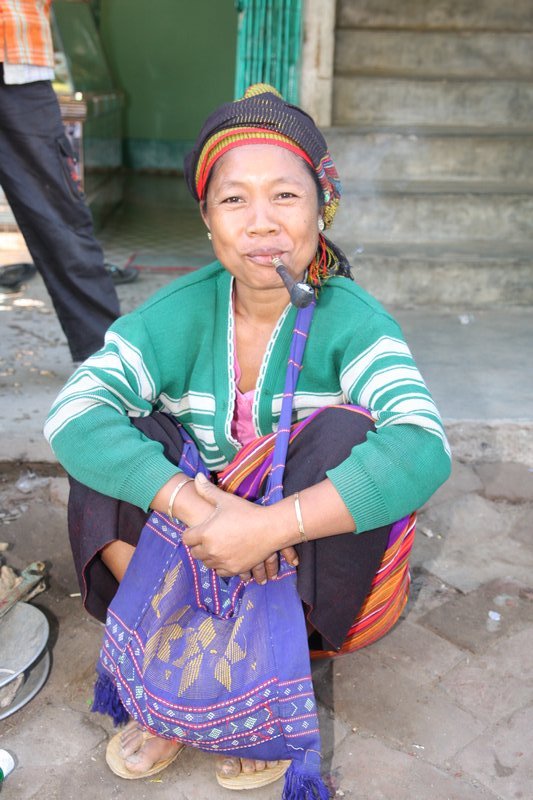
(174, 494)
(298, 510)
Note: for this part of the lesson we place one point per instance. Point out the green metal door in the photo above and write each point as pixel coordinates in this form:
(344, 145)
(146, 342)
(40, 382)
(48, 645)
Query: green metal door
(269, 44)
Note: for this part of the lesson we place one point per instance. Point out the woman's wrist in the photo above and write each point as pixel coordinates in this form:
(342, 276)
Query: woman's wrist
(281, 523)
(174, 493)
(190, 508)
(179, 497)
(314, 513)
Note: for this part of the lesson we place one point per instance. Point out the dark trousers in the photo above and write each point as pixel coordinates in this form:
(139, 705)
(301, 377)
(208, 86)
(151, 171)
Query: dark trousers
(334, 574)
(36, 162)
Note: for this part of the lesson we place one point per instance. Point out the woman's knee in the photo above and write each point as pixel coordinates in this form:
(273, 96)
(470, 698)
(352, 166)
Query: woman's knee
(338, 429)
(343, 425)
(325, 442)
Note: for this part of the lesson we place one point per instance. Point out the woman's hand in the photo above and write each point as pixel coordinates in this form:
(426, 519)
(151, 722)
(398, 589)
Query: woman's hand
(237, 538)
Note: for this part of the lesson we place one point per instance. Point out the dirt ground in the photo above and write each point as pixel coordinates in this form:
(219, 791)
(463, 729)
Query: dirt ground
(442, 706)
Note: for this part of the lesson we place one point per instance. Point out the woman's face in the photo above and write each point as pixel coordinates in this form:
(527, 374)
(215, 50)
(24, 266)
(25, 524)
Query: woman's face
(262, 202)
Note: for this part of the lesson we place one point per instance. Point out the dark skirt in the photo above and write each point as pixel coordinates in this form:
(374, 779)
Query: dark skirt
(335, 573)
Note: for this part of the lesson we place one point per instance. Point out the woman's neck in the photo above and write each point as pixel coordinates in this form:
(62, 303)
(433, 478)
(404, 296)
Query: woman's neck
(260, 307)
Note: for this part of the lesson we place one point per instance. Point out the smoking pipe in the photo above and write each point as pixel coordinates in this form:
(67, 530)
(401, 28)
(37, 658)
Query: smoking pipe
(301, 294)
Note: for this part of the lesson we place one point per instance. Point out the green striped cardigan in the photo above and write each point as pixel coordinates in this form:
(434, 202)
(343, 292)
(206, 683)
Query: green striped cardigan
(176, 354)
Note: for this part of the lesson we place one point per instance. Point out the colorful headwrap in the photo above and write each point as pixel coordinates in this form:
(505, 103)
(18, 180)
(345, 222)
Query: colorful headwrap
(264, 117)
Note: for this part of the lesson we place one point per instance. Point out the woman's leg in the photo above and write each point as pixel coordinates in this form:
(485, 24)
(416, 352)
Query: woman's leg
(103, 534)
(100, 526)
(335, 573)
(116, 557)
(140, 753)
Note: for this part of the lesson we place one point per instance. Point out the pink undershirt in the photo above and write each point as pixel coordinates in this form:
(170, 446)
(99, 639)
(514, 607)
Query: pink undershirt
(242, 426)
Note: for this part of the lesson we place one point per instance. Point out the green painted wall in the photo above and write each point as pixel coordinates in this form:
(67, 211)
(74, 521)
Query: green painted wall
(175, 61)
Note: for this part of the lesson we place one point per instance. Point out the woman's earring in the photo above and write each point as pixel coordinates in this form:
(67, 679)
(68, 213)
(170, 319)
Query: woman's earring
(209, 235)
(321, 225)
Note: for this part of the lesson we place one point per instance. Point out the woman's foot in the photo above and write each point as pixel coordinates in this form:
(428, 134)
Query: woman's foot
(141, 750)
(137, 753)
(245, 773)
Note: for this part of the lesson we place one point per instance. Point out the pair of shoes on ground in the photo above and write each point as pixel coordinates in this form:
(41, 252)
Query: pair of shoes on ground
(12, 276)
(116, 761)
(121, 274)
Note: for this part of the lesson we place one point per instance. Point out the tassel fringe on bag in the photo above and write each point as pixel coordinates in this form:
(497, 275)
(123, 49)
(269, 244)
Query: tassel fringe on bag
(107, 700)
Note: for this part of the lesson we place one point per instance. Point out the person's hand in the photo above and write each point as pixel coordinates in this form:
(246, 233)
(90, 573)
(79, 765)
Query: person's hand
(236, 538)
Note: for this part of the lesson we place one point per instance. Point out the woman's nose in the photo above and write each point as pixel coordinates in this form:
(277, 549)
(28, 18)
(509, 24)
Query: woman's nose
(262, 219)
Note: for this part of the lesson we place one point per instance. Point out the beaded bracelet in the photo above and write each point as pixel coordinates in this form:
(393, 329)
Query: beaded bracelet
(298, 510)
(174, 494)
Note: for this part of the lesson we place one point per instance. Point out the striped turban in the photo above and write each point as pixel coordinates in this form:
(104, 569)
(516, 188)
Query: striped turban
(263, 117)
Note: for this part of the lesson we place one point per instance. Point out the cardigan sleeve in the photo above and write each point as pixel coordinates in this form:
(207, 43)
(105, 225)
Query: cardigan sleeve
(89, 428)
(407, 458)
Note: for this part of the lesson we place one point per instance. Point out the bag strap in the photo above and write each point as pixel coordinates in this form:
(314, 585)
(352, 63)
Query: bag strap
(274, 487)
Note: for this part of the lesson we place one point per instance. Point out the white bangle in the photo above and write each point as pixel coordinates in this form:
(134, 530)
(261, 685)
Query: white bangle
(174, 494)
(298, 510)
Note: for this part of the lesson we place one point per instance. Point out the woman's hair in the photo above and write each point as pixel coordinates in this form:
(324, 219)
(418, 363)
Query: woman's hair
(262, 116)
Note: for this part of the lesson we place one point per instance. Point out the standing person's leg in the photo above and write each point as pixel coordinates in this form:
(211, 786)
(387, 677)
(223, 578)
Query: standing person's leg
(36, 176)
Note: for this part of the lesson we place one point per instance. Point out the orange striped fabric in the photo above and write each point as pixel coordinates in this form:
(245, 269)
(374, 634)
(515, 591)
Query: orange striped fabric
(387, 597)
(222, 141)
(248, 461)
(25, 32)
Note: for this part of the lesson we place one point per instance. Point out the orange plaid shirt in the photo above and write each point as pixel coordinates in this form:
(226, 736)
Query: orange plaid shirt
(25, 35)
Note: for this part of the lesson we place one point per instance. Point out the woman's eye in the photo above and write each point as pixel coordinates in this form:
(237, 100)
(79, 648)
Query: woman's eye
(286, 195)
(232, 199)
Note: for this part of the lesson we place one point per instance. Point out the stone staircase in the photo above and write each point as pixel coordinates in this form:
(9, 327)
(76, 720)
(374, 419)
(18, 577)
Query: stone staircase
(433, 136)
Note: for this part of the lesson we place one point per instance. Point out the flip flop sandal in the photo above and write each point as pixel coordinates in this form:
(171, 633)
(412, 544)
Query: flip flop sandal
(12, 275)
(253, 780)
(117, 763)
(121, 275)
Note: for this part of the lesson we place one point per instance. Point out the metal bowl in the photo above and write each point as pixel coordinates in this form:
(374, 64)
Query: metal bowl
(24, 632)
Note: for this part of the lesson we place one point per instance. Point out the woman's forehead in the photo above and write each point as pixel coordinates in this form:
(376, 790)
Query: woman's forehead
(245, 163)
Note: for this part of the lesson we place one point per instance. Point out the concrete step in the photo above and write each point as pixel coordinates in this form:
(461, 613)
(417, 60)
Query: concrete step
(7, 220)
(483, 15)
(505, 106)
(480, 375)
(372, 155)
(430, 54)
(480, 372)
(453, 276)
(431, 217)
(403, 186)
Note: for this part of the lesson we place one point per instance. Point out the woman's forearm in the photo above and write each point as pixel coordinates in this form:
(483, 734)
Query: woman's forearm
(237, 535)
(322, 513)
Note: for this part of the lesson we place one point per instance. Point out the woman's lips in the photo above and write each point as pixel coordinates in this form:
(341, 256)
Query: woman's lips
(264, 256)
